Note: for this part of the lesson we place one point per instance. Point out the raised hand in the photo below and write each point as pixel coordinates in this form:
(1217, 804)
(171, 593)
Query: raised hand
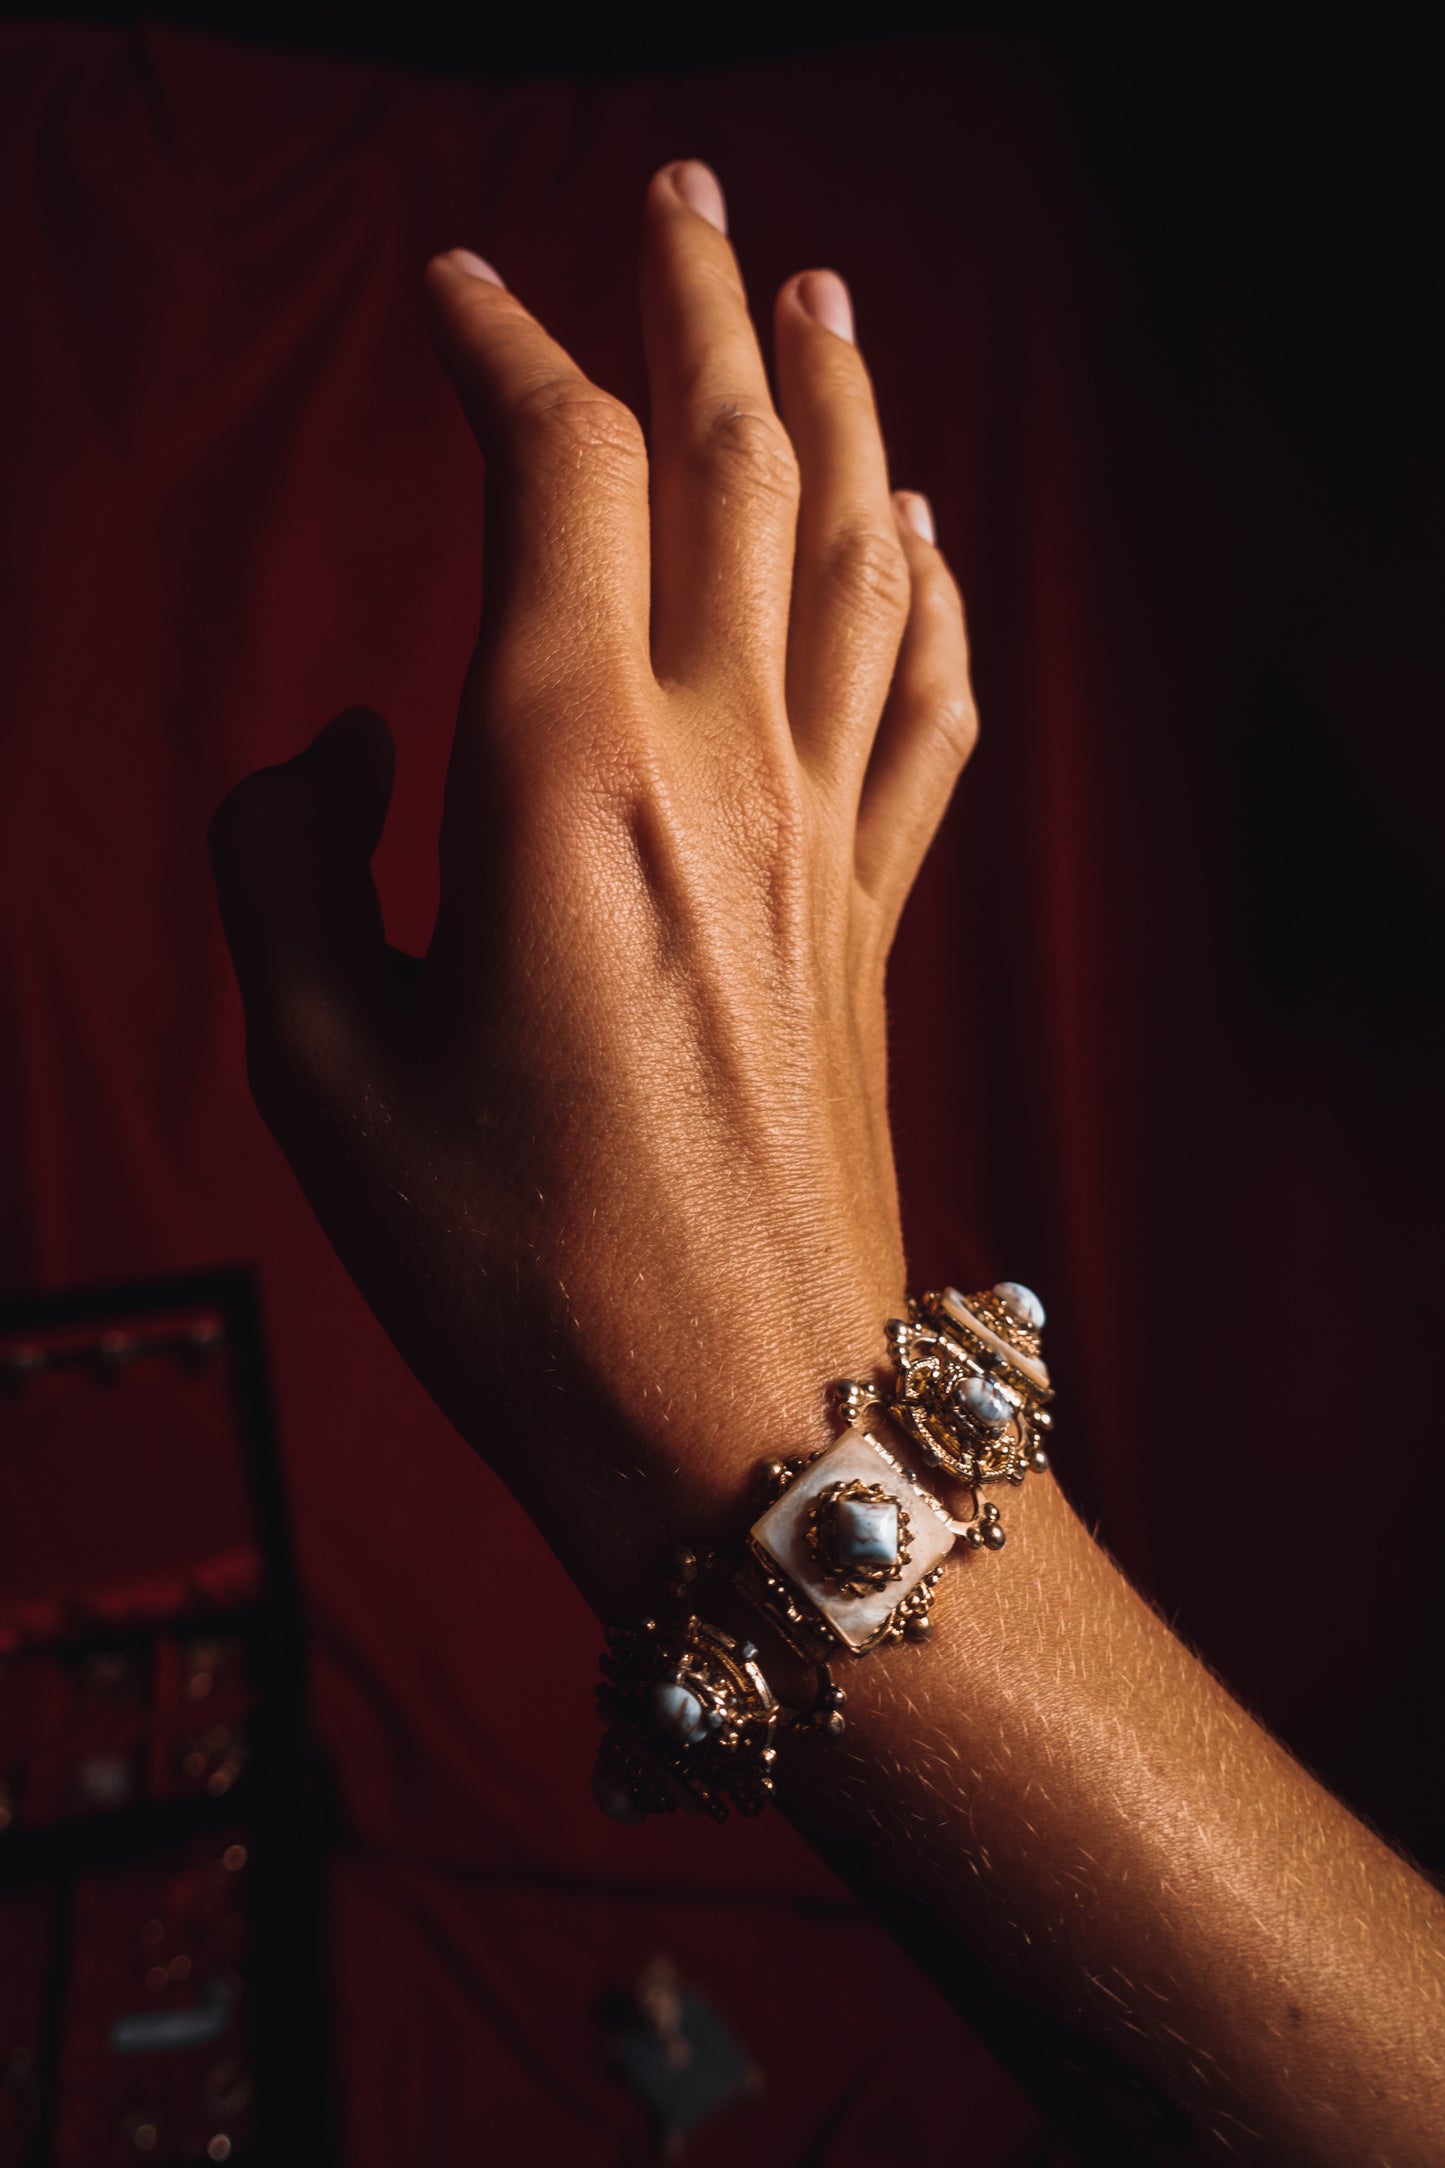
(612, 1164)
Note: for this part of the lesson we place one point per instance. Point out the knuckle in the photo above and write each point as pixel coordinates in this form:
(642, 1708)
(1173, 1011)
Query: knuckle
(752, 445)
(580, 418)
(953, 719)
(867, 569)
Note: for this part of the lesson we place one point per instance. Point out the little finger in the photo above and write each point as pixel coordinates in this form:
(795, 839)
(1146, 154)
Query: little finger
(929, 724)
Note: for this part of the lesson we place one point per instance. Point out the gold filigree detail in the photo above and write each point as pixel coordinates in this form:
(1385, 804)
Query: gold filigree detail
(731, 1762)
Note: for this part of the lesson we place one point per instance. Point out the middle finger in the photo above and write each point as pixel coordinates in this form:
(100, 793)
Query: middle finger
(724, 478)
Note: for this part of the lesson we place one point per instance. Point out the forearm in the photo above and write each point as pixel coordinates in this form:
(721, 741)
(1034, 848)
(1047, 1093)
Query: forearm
(1162, 1924)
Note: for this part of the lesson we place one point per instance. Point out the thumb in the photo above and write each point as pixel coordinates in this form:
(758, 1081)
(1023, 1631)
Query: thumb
(291, 851)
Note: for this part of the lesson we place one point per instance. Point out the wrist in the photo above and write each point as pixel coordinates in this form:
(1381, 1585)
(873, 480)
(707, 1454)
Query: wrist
(826, 1557)
(618, 1490)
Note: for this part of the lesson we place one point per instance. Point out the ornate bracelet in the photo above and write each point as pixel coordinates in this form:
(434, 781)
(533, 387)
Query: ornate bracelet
(845, 1557)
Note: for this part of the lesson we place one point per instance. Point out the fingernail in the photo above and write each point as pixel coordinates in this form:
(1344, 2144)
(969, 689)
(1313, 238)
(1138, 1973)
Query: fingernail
(916, 512)
(475, 267)
(825, 298)
(701, 191)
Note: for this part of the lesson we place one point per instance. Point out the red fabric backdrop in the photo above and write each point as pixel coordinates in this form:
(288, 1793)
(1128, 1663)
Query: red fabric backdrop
(239, 497)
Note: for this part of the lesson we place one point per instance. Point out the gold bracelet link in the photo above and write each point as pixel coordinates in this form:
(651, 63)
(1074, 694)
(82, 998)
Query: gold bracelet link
(844, 1558)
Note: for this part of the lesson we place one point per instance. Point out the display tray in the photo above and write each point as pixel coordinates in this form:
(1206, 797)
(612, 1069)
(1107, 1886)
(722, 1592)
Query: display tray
(163, 1995)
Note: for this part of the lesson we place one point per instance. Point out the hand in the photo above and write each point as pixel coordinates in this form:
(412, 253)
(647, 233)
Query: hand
(612, 1164)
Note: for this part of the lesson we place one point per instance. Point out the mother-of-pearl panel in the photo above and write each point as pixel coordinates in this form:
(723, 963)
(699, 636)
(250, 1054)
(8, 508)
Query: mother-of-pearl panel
(782, 1533)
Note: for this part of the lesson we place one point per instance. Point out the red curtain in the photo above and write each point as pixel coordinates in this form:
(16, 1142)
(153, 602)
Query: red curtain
(1147, 1058)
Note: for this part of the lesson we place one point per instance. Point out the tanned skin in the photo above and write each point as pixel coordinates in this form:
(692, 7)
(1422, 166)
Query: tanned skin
(612, 1165)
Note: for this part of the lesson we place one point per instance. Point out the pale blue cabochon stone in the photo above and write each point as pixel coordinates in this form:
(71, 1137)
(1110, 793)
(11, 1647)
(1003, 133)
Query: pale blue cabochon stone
(866, 1532)
(1023, 1302)
(984, 1402)
(679, 1712)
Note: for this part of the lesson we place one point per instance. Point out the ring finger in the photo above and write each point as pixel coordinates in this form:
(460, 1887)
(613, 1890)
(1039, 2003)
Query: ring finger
(851, 583)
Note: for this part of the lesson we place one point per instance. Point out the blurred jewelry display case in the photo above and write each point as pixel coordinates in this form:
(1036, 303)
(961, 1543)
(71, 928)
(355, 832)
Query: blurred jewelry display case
(162, 1985)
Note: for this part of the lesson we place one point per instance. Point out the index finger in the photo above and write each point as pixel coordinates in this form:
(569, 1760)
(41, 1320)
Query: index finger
(566, 548)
